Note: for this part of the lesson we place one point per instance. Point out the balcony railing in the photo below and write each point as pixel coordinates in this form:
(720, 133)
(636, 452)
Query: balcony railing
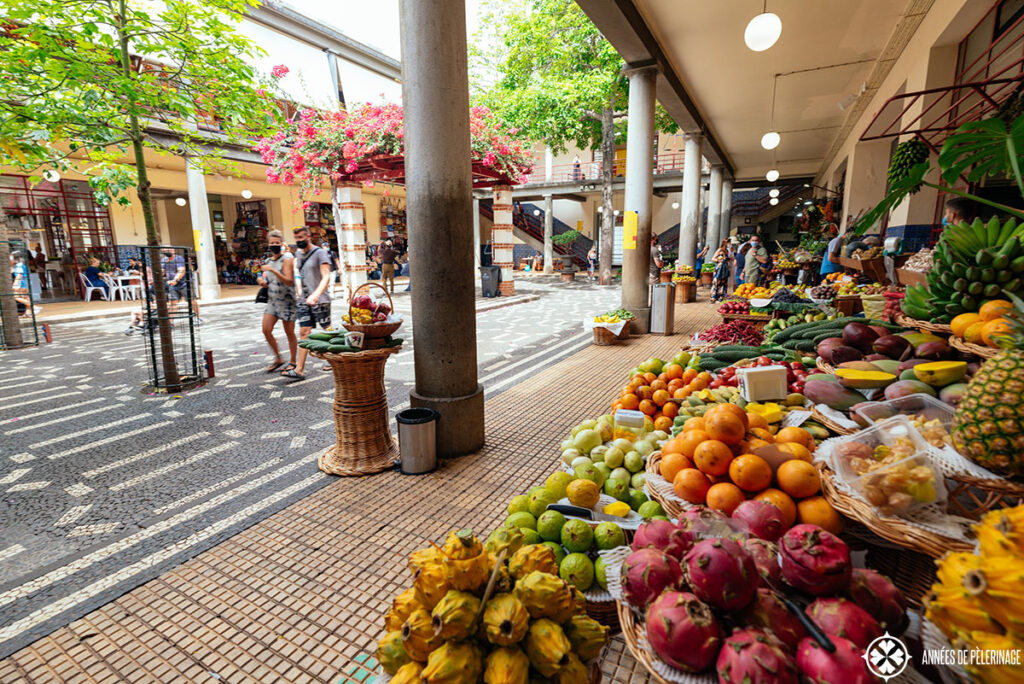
(591, 170)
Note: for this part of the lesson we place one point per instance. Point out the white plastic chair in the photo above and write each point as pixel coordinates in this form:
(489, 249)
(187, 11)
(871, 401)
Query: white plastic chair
(89, 288)
(115, 289)
(132, 290)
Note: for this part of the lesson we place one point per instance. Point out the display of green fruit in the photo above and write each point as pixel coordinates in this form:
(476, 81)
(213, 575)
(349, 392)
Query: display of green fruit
(608, 535)
(621, 474)
(522, 519)
(590, 472)
(549, 525)
(577, 536)
(530, 536)
(638, 480)
(650, 509)
(601, 573)
(617, 489)
(539, 501)
(605, 471)
(634, 462)
(614, 457)
(637, 498)
(577, 570)
(557, 549)
(557, 483)
(519, 504)
(581, 461)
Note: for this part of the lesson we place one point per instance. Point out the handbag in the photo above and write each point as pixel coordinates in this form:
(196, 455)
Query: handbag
(263, 295)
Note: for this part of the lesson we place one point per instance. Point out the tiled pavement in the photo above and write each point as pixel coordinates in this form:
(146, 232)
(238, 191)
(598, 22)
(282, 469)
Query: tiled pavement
(300, 596)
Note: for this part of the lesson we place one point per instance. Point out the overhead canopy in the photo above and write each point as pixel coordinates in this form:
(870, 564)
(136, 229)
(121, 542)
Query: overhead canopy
(829, 53)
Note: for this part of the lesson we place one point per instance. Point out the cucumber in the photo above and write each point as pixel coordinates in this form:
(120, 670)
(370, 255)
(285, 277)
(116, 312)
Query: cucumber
(733, 356)
(711, 364)
(735, 347)
(393, 341)
(322, 336)
(341, 349)
(805, 346)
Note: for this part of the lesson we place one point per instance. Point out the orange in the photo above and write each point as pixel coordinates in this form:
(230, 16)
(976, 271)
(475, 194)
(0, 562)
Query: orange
(725, 426)
(616, 405)
(735, 410)
(659, 385)
(630, 401)
(681, 393)
(756, 420)
(961, 323)
(751, 473)
(673, 385)
(662, 377)
(648, 407)
(691, 485)
(672, 446)
(817, 511)
(973, 332)
(671, 464)
(782, 501)
(663, 423)
(670, 409)
(702, 380)
(712, 457)
(690, 440)
(689, 374)
(764, 434)
(798, 478)
(673, 371)
(644, 392)
(752, 444)
(695, 423)
(993, 329)
(795, 434)
(639, 379)
(994, 309)
(725, 497)
(797, 451)
(650, 377)
(660, 397)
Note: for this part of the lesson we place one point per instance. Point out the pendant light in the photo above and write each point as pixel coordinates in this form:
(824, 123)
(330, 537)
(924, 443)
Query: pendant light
(773, 201)
(770, 140)
(774, 192)
(763, 31)
(772, 175)
(181, 201)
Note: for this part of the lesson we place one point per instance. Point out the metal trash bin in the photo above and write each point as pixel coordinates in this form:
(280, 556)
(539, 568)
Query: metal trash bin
(663, 308)
(490, 277)
(417, 440)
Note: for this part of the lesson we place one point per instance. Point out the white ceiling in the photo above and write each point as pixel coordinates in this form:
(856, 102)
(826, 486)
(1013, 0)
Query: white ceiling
(732, 85)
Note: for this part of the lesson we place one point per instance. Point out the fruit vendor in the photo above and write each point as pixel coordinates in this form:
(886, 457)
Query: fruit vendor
(959, 210)
(830, 262)
(755, 261)
(656, 262)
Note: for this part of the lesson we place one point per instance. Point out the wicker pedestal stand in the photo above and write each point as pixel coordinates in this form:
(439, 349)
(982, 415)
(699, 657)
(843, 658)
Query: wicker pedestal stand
(364, 443)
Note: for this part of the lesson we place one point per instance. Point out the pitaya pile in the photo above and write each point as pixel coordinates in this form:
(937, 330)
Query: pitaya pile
(704, 523)
(846, 619)
(760, 519)
(814, 560)
(664, 536)
(648, 572)
(367, 302)
(768, 612)
(721, 573)
(766, 559)
(845, 666)
(750, 655)
(880, 598)
(683, 631)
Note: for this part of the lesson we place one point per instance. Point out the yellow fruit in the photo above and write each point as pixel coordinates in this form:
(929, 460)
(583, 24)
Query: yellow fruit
(619, 508)
(972, 333)
(583, 493)
(960, 323)
(994, 309)
(992, 331)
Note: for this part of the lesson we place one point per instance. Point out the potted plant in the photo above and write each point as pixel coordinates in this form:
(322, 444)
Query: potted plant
(566, 239)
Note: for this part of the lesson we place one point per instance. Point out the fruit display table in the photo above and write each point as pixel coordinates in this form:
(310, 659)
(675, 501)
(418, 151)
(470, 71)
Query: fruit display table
(364, 443)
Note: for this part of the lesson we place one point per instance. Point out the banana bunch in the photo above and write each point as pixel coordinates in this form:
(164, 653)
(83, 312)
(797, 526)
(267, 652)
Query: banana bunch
(362, 316)
(606, 318)
(908, 154)
(971, 263)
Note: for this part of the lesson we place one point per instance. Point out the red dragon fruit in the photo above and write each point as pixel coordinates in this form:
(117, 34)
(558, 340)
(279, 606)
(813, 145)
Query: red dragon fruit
(721, 573)
(683, 631)
(845, 666)
(704, 522)
(760, 519)
(648, 572)
(363, 302)
(880, 598)
(814, 560)
(766, 558)
(664, 536)
(846, 619)
(753, 656)
(380, 317)
(769, 613)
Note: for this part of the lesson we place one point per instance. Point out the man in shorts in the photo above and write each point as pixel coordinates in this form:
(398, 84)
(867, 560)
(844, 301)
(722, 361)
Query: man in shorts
(312, 283)
(174, 274)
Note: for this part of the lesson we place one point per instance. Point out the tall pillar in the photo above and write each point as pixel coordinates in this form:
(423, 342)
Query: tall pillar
(476, 234)
(689, 211)
(636, 261)
(501, 238)
(350, 226)
(726, 224)
(714, 209)
(549, 231)
(439, 192)
(161, 221)
(200, 210)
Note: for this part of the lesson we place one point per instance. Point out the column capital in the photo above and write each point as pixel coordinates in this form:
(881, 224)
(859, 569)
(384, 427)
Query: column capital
(641, 68)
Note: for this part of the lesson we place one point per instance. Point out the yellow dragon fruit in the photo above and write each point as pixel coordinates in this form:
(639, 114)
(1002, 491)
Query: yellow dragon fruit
(467, 565)
(454, 614)
(431, 584)
(503, 538)
(1001, 533)
(587, 636)
(953, 610)
(507, 665)
(547, 647)
(503, 583)
(462, 545)
(951, 568)
(535, 557)
(986, 641)
(505, 620)
(997, 586)
(408, 674)
(417, 559)
(401, 608)
(391, 653)
(418, 636)
(573, 672)
(455, 662)
(545, 595)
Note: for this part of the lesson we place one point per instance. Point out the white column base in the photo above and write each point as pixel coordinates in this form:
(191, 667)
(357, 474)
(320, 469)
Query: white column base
(210, 292)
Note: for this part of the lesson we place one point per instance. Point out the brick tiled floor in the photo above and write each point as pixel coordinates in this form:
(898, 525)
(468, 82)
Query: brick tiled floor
(301, 595)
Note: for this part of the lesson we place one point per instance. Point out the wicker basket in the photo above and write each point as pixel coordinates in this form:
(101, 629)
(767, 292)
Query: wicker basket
(976, 349)
(604, 337)
(373, 333)
(672, 508)
(605, 613)
(827, 422)
(974, 497)
(908, 322)
(364, 442)
(824, 366)
(913, 573)
(632, 632)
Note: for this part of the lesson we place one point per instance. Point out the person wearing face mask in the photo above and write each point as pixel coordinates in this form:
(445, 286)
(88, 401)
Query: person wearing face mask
(278, 274)
(830, 262)
(313, 276)
(174, 277)
(755, 260)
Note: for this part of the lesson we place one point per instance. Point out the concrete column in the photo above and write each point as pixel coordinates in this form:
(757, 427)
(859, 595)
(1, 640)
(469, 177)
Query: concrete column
(714, 209)
(476, 234)
(549, 231)
(636, 262)
(162, 224)
(199, 208)
(726, 223)
(350, 226)
(549, 160)
(689, 210)
(439, 192)
(502, 242)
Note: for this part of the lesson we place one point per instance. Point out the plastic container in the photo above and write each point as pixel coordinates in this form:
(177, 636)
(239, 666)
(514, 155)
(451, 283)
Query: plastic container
(904, 483)
(764, 383)
(922, 408)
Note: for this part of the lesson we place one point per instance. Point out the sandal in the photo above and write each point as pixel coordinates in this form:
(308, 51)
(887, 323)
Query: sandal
(291, 374)
(277, 364)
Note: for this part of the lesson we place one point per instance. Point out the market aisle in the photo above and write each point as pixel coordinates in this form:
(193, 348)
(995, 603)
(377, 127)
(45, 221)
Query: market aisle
(300, 596)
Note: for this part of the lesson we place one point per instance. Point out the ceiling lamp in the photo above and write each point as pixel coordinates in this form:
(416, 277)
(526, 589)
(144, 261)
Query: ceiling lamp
(675, 205)
(772, 176)
(616, 212)
(181, 201)
(51, 176)
(246, 194)
(770, 140)
(536, 212)
(774, 192)
(773, 201)
(762, 31)
(600, 209)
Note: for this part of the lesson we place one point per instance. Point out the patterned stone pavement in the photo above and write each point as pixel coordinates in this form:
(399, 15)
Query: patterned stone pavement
(103, 487)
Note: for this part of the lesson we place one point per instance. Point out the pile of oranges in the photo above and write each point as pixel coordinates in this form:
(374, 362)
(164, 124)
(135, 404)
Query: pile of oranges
(650, 393)
(713, 462)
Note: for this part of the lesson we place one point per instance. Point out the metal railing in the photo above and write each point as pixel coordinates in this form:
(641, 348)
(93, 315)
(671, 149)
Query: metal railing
(534, 227)
(591, 170)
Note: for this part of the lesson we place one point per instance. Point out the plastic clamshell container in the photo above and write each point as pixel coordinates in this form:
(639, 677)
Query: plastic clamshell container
(889, 432)
(912, 406)
(763, 383)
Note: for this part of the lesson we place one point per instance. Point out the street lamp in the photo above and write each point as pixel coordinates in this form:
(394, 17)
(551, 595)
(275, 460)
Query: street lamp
(770, 140)
(762, 31)
(181, 201)
(246, 194)
(772, 176)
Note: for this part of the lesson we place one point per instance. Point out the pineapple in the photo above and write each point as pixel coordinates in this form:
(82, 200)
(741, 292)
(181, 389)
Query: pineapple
(989, 424)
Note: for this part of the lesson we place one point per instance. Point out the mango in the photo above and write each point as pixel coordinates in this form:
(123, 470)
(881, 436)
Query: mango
(918, 338)
(907, 387)
(887, 365)
(859, 366)
(908, 374)
(822, 377)
(832, 394)
(864, 379)
(952, 394)
(941, 373)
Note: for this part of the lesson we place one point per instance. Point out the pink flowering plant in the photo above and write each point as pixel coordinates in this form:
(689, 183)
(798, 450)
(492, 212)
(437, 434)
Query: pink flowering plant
(318, 148)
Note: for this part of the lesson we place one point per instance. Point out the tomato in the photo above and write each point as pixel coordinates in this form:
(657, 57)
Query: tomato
(796, 365)
(715, 384)
(798, 387)
(801, 374)
(764, 361)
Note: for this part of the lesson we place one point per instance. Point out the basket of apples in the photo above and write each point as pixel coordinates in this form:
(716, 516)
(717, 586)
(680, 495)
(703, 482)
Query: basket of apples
(374, 318)
(734, 308)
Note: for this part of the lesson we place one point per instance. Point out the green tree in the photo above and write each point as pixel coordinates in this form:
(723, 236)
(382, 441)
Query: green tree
(93, 85)
(546, 69)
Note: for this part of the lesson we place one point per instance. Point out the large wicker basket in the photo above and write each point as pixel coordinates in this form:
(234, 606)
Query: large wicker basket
(976, 349)
(373, 333)
(632, 632)
(672, 508)
(908, 322)
(604, 337)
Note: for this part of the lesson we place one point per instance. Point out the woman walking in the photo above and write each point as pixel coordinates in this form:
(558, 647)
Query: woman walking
(720, 282)
(279, 277)
(591, 262)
